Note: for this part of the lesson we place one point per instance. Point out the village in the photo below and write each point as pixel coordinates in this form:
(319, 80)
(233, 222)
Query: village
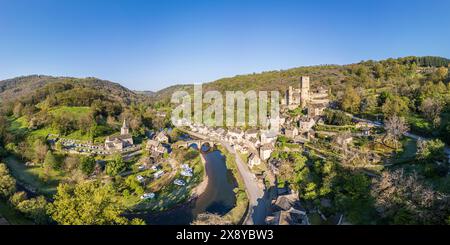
(305, 132)
(302, 129)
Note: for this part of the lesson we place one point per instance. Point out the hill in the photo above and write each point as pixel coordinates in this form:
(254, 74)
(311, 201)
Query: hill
(332, 76)
(25, 86)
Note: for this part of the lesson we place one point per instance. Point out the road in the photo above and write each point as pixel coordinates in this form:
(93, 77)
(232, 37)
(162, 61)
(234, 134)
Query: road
(258, 201)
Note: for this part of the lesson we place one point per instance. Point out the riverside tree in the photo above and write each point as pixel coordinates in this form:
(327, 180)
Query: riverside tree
(88, 203)
(7, 182)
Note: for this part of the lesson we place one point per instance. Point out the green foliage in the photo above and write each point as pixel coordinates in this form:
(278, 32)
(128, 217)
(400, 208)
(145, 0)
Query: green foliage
(7, 182)
(17, 198)
(351, 102)
(35, 209)
(89, 203)
(134, 185)
(115, 166)
(430, 149)
(52, 161)
(87, 164)
(338, 118)
(395, 106)
(353, 197)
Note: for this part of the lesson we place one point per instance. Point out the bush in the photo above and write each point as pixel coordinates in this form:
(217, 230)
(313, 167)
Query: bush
(87, 165)
(7, 182)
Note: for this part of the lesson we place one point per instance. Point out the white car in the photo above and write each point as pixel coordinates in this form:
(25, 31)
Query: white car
(158, 174)
(148, 196)
(179, 182)
(186, 173)
(140, 178)
(142, 167)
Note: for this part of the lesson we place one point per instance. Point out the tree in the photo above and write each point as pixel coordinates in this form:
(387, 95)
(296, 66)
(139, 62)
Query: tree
(395, 128)
(71, 163)
(17, 198)
(7, 182)
(40, 150)
(35, 209)
(352, 196)
(405, 199)
(115, 166)
(88, 203)
(51, 161)
(286, 172)
(339, 118)
(395, 106)
(431, 109)
(430, 149)
(310, 192)
(351, 101)
(442, 73)
(87, 165)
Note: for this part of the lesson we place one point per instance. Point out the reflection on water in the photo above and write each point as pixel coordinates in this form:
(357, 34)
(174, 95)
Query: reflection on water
(218, 196)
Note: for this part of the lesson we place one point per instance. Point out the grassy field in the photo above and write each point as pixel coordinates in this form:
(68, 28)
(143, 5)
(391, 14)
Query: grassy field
(167, 193)
(19, 126)
(407, 153)
(73, 112)
(33, 177)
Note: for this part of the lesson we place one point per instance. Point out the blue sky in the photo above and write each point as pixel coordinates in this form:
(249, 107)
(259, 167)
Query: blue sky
(153, 44)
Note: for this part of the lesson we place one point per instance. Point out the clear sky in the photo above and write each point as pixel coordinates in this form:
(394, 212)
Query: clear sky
(153, 44)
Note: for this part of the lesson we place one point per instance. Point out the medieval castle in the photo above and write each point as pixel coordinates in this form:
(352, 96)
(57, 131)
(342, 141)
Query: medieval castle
(302, 96)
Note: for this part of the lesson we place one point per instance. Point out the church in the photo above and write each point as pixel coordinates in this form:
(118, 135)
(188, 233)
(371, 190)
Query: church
(119, 142)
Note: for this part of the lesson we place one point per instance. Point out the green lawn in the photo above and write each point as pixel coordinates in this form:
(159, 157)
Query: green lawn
(408, 152)
(74, 112)
(32, 176)
(168, 194)
(20, 125)
(419, 125)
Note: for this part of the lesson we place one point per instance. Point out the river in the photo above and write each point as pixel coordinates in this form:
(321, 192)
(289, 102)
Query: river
(218, 196)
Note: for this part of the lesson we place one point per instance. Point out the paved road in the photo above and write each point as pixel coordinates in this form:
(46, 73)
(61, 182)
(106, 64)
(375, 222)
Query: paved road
(258, 201)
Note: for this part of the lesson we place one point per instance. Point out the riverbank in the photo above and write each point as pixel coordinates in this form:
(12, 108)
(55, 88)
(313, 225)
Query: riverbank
(200, 189)
(215, 194)
(238, 213)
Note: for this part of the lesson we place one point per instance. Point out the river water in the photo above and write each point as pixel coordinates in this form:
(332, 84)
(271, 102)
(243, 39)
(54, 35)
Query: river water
(218, 196)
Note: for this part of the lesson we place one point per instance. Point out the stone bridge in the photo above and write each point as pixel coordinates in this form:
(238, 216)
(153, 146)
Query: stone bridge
(198, 143)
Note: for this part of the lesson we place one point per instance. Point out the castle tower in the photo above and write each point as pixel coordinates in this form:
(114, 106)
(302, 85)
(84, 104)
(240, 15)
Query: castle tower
(304, 91)
(124, 130)
(289, 96)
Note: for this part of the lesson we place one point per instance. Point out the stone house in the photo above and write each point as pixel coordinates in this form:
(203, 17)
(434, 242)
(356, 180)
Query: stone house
(291, 132)
(253, 160)
(306, 124)
(162, 137)
(269, 137)
(265, 151)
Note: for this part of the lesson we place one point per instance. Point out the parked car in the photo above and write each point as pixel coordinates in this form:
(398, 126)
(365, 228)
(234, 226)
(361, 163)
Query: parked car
(179, 182)
(148, 196)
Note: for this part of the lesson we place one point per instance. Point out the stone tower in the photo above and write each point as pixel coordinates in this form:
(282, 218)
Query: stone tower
(304, 91)
(124, 130)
